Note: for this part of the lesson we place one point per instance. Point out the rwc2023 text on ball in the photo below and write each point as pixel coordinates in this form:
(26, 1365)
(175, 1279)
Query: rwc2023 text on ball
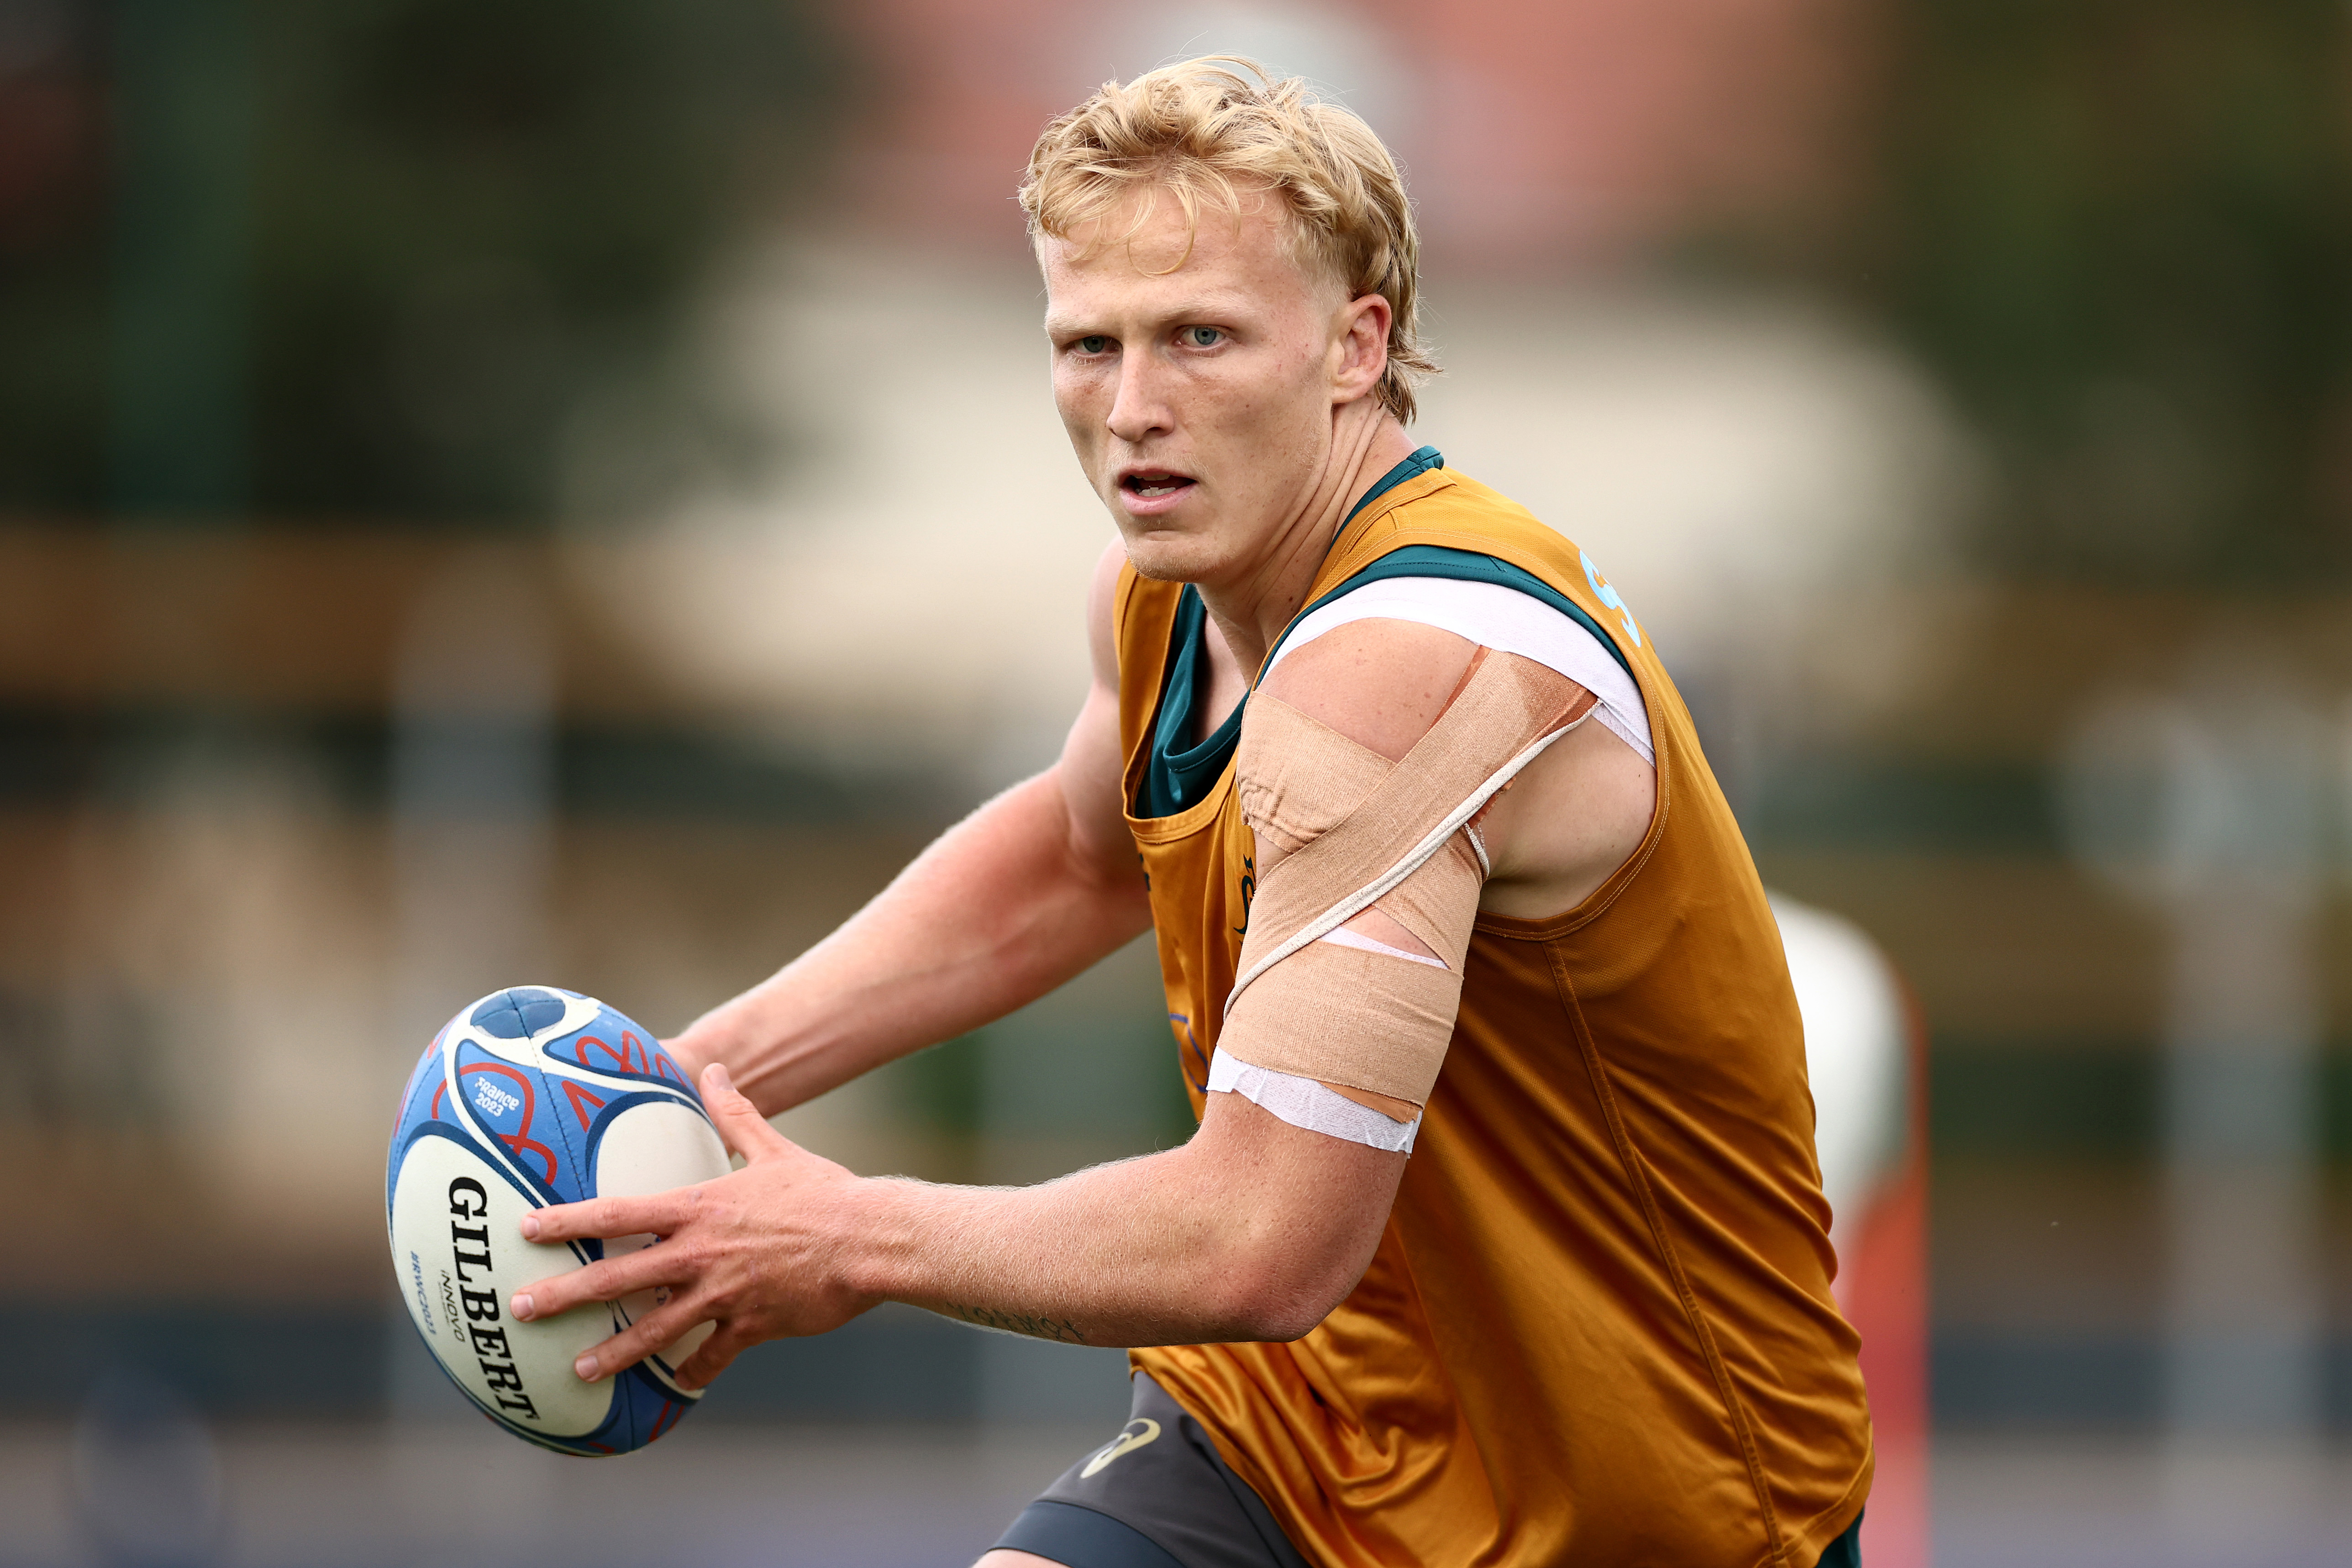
(530, 1097)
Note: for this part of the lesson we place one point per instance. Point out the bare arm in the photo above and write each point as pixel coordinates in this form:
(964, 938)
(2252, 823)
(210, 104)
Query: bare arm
(1253, 1230)
(1027, 891)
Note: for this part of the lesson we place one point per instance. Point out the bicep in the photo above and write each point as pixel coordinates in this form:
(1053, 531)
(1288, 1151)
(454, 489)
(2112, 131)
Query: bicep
(1313, 1206)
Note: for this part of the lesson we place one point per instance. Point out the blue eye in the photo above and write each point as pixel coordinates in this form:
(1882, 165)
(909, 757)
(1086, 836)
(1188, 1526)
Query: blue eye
(1094, 345)
(1203, 337)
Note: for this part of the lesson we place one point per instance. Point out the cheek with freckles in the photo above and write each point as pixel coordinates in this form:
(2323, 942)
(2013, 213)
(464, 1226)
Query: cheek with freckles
(1082, 416)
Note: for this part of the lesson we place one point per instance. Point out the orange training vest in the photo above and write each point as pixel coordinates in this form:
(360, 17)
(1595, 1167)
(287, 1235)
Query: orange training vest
(1597, 1329)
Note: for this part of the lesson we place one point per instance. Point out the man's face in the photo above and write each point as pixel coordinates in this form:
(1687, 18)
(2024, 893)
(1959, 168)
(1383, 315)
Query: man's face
(1198, 397)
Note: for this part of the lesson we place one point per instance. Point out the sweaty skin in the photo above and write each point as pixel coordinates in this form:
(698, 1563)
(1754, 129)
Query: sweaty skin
(1221, 403)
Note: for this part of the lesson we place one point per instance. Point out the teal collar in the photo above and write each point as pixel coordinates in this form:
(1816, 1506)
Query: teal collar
(1412, 468)
(1176, 776)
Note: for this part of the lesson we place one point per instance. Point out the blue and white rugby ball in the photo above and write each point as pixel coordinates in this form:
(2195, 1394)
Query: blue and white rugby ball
(530, 1097)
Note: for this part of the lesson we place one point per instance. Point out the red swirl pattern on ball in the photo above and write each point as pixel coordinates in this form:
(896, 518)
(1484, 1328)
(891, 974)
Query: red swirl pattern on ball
(519, 1140)
(577, 1096)
(632, 1055)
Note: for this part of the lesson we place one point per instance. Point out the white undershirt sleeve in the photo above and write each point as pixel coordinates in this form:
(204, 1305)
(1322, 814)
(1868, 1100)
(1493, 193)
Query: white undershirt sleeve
(1501, 618)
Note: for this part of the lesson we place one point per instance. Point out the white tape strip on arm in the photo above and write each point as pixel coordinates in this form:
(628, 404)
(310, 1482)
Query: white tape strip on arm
(1343, 937)
(1307, 1104)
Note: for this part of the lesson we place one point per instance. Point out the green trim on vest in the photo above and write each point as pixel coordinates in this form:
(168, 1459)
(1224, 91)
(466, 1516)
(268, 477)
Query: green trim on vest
(1174, 775)
(1461, 567)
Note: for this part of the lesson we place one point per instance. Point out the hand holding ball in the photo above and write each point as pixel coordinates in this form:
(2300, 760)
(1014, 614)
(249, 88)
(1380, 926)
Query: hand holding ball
(531, 1097)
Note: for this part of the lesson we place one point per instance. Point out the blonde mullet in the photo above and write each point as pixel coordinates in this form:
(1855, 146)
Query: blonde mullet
(1212, 131)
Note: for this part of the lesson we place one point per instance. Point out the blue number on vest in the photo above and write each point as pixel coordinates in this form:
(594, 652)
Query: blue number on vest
(1609, 597)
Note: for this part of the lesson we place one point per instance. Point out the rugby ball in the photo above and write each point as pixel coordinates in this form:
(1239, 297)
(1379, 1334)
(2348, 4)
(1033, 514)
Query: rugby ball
(530, 1097)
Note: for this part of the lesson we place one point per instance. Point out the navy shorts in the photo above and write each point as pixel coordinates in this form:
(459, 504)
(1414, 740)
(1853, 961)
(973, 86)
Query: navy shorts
(1160, 1496)
(1157, 1496)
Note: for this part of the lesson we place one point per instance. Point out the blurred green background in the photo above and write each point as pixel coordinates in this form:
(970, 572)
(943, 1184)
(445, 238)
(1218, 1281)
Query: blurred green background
(568, 492)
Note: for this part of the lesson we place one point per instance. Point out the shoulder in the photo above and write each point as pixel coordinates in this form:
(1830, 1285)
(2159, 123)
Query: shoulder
(1381, 683)
(1103, 596)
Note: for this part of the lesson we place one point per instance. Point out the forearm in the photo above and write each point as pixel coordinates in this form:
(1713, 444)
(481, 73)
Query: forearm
(1001, 909)
(1253, 1230)
(1220, 1240)
(1106, 1256)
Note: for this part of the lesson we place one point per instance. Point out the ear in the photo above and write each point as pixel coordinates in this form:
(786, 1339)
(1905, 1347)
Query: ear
(1360, 347)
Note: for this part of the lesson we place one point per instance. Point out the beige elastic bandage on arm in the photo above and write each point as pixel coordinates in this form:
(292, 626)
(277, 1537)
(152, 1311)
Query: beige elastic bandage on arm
(1341, 829)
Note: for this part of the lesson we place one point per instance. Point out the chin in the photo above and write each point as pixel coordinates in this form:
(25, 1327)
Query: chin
(1168, 560)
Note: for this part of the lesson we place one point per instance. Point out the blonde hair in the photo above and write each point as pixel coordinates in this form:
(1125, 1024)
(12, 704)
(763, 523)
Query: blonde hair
(1210, 129)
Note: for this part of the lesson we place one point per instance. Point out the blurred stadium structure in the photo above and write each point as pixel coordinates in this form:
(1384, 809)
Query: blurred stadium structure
(567, 489)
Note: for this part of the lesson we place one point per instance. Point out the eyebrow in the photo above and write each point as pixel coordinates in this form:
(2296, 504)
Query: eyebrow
(1202, 308)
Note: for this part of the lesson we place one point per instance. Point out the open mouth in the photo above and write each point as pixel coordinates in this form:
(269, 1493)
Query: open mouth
(1152, 486)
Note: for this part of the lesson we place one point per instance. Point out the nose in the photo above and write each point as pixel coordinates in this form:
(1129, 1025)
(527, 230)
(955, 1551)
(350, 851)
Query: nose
(1140, 409)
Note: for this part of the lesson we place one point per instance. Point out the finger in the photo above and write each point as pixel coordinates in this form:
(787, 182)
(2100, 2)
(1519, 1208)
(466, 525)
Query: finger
(661, 1213)
(649, 1335)
(747, 1131)
(714, 1355)
(608, 1280)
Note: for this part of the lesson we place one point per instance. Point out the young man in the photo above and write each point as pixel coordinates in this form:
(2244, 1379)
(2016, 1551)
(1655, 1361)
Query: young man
(1501, 1240)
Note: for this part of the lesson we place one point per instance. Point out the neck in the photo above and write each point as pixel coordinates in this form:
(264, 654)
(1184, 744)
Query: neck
(1366, 441)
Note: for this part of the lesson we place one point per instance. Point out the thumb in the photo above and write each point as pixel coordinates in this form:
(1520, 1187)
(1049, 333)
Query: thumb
(739, 1121)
